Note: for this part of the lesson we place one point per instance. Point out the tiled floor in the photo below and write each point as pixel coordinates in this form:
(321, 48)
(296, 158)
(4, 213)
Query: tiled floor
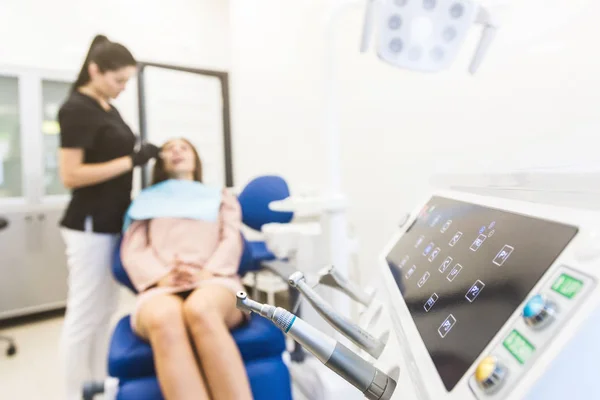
(34, 372)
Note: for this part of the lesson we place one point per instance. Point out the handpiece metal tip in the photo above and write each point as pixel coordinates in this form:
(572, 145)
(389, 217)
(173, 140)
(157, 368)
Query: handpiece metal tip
(241, 298)
(295, 278)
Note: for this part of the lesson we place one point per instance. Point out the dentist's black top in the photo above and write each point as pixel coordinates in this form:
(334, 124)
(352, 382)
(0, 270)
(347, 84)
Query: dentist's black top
(103, 136)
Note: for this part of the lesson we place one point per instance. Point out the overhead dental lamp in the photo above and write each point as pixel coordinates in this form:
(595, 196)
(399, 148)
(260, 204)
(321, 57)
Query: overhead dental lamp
(426, 35)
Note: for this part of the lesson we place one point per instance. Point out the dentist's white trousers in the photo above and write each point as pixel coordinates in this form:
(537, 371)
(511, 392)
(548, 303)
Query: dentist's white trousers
(92, 300)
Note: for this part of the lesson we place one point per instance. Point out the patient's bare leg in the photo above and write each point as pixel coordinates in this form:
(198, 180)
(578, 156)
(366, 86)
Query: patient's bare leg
(209, 313)
(161, 321)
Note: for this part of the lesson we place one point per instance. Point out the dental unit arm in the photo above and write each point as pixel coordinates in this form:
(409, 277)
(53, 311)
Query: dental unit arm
(331, 277)
(490, 27)
(352, 331)
(373, 383)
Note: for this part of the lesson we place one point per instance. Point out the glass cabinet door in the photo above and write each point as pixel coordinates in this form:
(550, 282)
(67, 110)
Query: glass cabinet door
(53, 95)
(10, 139)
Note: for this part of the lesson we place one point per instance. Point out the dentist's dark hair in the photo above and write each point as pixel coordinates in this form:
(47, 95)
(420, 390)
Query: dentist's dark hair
(107, 55)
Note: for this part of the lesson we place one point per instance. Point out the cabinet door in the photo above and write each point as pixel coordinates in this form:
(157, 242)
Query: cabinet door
(15, 281)
(11, 165)
(33, 264)
(47, 264)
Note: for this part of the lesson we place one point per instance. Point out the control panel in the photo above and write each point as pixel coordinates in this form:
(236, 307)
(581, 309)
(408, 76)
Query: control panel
(543, 315)
(481, 294)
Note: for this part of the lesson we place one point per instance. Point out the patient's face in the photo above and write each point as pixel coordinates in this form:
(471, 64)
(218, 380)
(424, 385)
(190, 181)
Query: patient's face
(178, 158)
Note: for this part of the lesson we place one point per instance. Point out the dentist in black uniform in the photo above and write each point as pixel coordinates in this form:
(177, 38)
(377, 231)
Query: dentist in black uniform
(97, 158)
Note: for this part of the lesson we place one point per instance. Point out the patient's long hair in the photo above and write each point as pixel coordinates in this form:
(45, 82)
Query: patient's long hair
(159, 174)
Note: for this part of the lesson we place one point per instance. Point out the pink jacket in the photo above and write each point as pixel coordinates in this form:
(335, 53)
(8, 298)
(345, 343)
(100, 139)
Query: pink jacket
(151, 247)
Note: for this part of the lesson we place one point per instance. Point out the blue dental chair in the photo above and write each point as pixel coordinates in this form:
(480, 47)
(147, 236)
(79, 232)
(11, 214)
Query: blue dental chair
(261, 344)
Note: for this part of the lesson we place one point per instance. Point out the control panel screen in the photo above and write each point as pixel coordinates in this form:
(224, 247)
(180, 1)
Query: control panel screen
(463, 269)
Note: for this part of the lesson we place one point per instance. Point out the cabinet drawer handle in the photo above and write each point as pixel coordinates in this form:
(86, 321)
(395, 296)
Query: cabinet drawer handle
(3, 223)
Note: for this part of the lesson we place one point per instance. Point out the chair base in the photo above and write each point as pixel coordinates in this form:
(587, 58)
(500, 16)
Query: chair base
(91, 389)
(12, 347)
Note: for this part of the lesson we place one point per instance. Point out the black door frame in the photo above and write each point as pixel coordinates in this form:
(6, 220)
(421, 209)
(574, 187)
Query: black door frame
(223, 77)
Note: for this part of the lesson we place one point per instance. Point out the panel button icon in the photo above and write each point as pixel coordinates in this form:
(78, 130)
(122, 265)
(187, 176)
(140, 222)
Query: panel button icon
(403, 262)
(419, 241)
(434, 254)
(428, 248)
(446, 325)
(478, 242)
(424, 279)
(435, 221)
(474, 291)
(503, 255)
(445, 264)
(410, 271)
(430, 302)
(446, 226)
(454, 273)
(455, 239)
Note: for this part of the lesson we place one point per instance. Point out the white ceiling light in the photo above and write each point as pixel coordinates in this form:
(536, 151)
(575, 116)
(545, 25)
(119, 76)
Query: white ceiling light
(425, 35)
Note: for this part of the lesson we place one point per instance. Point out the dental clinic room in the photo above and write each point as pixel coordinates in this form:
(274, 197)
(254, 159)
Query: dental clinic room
(299, 200)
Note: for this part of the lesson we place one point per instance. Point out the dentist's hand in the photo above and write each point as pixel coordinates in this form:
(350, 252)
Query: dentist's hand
(146, 152)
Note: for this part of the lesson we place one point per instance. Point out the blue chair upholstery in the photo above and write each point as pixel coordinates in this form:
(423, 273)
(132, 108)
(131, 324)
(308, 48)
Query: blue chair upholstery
(255, 199)
(259, 341)
(269, 380)
(130, 358)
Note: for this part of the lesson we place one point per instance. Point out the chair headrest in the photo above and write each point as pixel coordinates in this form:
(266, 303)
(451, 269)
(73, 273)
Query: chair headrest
(255, 198)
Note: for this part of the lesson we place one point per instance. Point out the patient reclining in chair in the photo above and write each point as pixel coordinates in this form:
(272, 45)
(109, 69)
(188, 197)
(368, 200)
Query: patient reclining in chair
(181, 249)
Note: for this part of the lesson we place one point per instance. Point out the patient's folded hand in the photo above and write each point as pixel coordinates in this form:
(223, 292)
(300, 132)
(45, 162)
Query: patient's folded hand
(202, 274)
(183, 275)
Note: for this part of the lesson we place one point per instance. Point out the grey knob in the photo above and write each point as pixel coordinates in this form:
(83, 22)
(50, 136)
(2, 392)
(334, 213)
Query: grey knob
(539, 312)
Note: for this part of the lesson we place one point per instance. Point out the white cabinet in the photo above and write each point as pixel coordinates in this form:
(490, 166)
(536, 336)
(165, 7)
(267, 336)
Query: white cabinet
(33, 271)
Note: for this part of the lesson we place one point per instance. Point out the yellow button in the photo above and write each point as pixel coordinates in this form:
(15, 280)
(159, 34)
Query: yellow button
(485, 369)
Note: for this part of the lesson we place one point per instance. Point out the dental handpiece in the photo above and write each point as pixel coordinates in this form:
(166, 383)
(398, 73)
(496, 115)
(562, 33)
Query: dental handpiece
(355, 333)
(329, 276)
(373, 383)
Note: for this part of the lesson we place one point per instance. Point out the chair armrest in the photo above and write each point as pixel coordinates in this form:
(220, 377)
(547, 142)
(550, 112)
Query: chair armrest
(118, 270)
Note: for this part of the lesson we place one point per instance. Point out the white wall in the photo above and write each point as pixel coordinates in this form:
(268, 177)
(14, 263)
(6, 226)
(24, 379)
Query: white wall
(532, 103)
(56, 34)
(276, 90)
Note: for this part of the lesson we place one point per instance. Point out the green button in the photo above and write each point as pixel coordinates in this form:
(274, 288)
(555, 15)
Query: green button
(567, 286)
(519, 347)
